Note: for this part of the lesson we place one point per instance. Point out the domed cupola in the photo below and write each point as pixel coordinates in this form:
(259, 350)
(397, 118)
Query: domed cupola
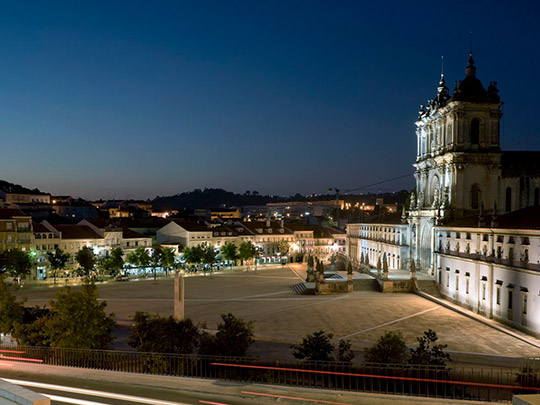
(471, 89)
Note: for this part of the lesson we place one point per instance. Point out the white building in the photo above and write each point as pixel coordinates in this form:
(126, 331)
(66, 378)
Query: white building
(469, 220)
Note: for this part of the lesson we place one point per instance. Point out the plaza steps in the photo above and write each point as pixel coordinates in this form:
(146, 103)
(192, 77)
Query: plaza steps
(429, 287)
(367, 284)
(332, 276)
(304, 288)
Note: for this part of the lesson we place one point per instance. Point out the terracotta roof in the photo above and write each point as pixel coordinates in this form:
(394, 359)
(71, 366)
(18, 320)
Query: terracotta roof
(148, 222)
(390, 218)
(193, 226)
(129, 234)
(8, 213)
(319, 231)
(99, 223)
(39, 228)
(77, 232)
(520, 163)
(525, 218)
(273, 229)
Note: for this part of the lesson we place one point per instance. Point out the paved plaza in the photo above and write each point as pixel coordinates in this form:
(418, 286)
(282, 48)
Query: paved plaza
(265, 297)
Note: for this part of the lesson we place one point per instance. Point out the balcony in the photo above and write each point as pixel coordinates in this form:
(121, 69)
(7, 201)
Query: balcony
(491, 259)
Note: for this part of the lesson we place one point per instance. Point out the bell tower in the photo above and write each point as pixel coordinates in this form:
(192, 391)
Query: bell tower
(457, 160)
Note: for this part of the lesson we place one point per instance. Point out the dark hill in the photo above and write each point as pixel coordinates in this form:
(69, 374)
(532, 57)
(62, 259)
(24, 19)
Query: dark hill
(213, 198)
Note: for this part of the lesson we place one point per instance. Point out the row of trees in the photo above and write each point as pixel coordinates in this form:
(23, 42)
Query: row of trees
(390, 348)
(206, 254)
(157, 334)
(18, 263)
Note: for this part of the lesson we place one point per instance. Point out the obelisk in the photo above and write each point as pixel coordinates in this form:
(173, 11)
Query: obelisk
(178, 296)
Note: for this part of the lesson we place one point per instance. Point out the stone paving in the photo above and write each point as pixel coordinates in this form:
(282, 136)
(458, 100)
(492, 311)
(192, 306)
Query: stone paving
(265, 296)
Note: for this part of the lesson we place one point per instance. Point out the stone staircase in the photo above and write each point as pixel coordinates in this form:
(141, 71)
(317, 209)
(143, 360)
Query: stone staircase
(303, 288)
(429, 287)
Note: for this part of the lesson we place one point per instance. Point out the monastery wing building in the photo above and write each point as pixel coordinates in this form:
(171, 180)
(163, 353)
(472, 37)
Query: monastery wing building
(474, 218)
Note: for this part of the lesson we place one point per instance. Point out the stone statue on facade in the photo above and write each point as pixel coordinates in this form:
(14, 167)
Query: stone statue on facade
(420, 199)
(412, 203)
(435, 203)
(444, 202)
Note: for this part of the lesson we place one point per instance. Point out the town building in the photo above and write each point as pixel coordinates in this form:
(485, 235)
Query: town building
(15, 230)
(276, 240)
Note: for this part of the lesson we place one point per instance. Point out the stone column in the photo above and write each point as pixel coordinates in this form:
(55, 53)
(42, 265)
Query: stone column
(178, 296)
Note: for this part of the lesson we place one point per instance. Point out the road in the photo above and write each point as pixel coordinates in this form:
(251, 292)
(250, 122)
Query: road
(98, 387)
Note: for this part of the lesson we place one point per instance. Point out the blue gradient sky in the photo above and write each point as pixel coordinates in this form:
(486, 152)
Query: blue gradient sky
(137, 99)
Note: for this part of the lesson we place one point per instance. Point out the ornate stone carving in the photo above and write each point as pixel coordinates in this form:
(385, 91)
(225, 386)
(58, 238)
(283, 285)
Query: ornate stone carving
(436, 202)
(420, 199)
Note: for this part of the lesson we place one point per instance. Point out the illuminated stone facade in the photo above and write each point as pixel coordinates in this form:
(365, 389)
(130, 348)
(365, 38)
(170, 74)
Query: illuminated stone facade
(474, 218)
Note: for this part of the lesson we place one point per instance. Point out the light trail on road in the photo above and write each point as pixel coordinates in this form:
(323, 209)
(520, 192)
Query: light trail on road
(69, 400)
(319, 401)
(83, 391)
(384, 377)
(2, 357)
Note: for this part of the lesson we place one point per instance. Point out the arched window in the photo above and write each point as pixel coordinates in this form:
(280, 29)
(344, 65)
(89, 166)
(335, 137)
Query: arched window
(508, 199)
(475, 132)
(475, 197)
(536, 197)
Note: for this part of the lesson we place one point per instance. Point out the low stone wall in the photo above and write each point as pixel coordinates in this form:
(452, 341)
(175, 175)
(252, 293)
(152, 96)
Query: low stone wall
(11, 394)
(334, 287)
(396, 286)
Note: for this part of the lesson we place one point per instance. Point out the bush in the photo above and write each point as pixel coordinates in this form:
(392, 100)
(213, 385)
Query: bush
(389, 349)
(153, 333)
(233, 338)
(428, 353)
(318, 347)
(11, 311)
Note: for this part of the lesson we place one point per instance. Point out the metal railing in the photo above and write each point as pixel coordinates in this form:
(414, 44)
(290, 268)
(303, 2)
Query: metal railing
(471, 383)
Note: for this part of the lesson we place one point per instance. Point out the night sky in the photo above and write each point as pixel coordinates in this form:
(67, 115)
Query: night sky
(127, 99)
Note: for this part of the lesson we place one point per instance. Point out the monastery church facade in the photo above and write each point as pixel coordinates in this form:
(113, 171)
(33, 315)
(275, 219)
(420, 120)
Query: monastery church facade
(474, 218)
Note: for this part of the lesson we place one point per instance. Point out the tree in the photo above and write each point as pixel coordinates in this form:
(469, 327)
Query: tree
(156, 260)
(282, 247)
(229, 251)
(318, 347)
(57, 259)
(233, 338)
(86, 259)
(167, 258)
(247, 251)
(315, 347)
(390, 348)
(427, 352)
(17, 263)
(153, 333)
(78, 320)
(189, 255)
(143, 257)
(208, 253)
(116, 259)
(11, 311)
(345, 353)
(133, 259)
